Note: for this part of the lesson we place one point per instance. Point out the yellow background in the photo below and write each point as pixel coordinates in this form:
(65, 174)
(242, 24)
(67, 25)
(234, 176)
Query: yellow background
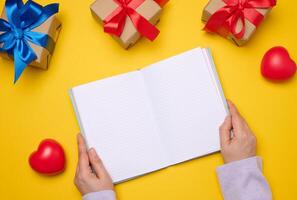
(38, 106)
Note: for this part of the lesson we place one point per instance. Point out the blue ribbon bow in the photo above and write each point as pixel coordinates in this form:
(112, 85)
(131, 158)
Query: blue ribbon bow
(17, 31)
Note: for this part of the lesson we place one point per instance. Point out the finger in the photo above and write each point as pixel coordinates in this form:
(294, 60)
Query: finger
(225, 131)
(237, 120)
(233, 110)
(97, 164)
(83, 159)
(77, 169)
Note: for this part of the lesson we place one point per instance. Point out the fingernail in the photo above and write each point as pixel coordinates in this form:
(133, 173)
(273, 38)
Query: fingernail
(92, 151)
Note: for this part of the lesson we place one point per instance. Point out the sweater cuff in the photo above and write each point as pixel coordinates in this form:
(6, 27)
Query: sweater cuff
(232, 174)
(252, 163)
(101, 195)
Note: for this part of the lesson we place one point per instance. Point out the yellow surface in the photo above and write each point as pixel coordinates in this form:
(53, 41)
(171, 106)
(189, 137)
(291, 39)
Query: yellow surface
(38, 106)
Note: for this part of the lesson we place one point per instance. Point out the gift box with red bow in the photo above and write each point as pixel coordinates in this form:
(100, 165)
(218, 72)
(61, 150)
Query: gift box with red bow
(236, 20)
(128, 20)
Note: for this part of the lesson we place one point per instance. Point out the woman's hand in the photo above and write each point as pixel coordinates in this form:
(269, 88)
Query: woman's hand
(91, 175)
(242, 144)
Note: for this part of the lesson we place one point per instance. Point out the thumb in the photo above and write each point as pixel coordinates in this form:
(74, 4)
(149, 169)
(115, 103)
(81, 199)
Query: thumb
(97, 164)
(237, 120)
(225, 131)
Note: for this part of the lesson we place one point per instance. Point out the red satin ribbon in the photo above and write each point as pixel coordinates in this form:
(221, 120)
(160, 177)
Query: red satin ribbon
(115, 22)
(225, 20)
(161, 2)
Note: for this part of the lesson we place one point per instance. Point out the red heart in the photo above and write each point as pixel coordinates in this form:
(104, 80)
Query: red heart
(49, 158)
(277, 64)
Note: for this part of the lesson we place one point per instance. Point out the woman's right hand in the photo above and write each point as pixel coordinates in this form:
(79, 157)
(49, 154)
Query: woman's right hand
(91, 175)
(241, 143)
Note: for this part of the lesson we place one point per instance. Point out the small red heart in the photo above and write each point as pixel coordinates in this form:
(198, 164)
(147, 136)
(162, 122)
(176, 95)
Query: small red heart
(49, 158)
(277, 64)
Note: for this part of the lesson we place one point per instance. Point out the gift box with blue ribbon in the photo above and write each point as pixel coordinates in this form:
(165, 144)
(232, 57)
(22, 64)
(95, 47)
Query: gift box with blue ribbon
(28, 34)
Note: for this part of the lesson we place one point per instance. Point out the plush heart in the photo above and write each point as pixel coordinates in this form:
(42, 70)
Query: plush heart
(49, 158)
(277, 64)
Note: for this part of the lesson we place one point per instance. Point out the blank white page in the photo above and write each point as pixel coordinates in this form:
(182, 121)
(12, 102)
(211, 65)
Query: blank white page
(215, 77)
(116, 118)
(187, 105)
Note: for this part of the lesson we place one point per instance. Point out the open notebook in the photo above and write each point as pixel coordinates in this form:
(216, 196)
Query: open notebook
(149, 119)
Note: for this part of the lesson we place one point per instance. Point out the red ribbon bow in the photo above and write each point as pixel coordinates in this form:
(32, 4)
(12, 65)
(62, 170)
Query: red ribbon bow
(115, 22)
(237, 11)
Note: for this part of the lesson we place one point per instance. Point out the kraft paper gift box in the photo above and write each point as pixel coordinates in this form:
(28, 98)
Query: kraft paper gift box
(250, 28)
(149, 9)
(51, 27)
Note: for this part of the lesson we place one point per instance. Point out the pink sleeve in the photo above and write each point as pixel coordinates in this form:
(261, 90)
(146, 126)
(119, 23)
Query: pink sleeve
(244, 180)
(101, 195)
